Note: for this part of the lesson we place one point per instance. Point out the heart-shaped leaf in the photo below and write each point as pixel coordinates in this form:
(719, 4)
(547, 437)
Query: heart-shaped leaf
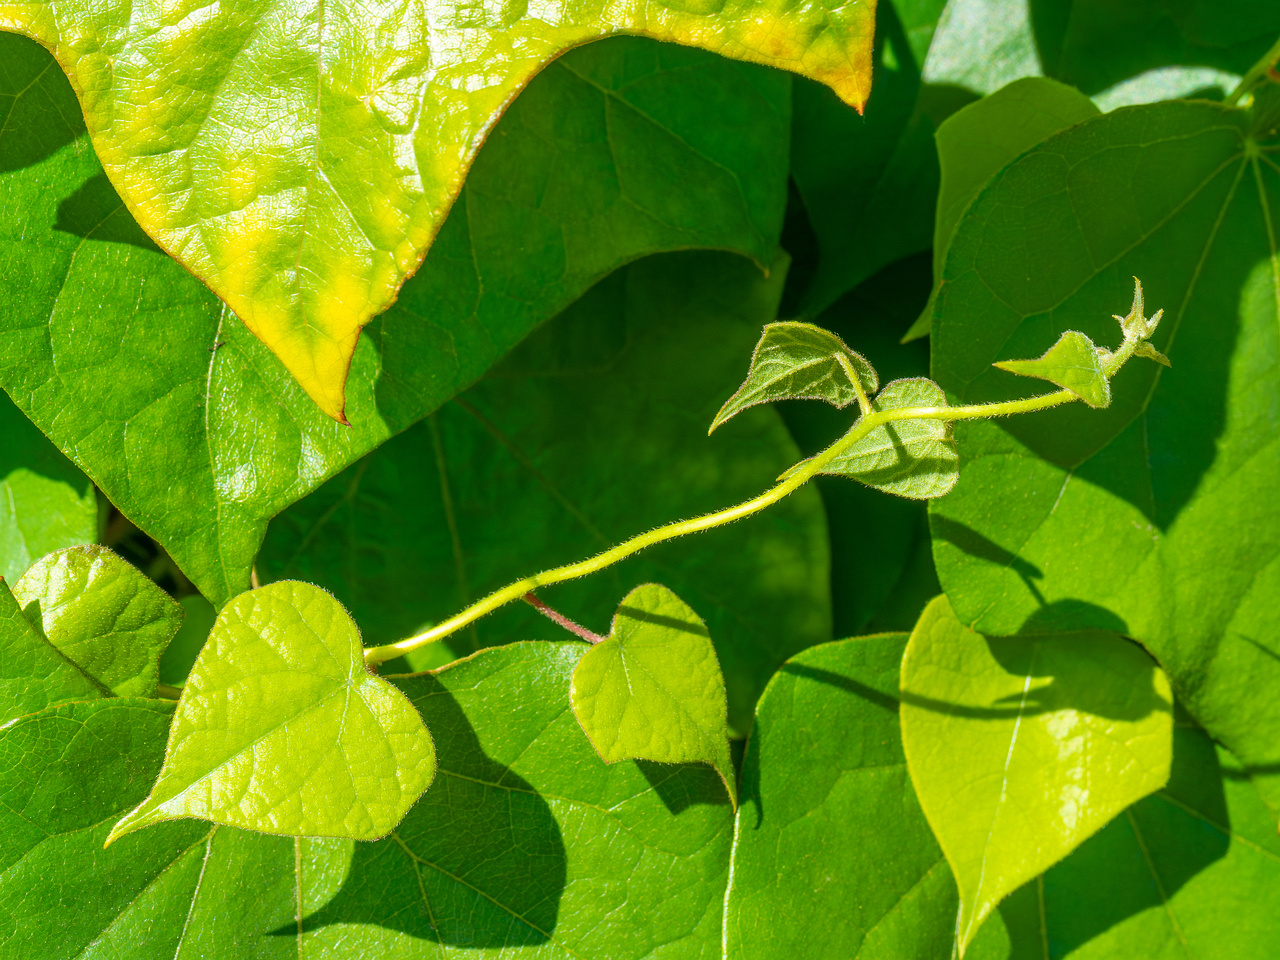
(653, 690)
(281, 729)
(103, 614)
(1073, 364)
(1020, 748)
(301, 159)
(910, 458)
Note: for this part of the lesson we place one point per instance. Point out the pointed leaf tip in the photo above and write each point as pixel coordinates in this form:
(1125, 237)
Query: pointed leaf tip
(653, 689)
(800, 361)
(1072, 363)
(282, 730)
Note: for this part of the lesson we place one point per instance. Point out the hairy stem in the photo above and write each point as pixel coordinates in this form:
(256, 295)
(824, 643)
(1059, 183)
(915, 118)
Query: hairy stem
(1256, 73)
(556, 617)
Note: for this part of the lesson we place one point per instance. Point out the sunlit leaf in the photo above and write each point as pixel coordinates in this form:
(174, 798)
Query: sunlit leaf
(281, 729)
(1021, 748)
(1073, 364)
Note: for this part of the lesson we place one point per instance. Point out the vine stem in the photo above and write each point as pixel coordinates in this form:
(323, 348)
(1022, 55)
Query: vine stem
(792, 481)
(1256, 73)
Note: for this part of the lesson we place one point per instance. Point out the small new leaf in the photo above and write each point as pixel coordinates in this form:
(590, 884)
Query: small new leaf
(280, 728)
(653, 689)
(102, 614)
(911, 458)
(1074, 364)
(798, 361)
(1136, 325)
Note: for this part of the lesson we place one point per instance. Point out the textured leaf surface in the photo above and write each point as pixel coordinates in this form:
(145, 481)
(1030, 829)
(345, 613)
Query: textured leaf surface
(1021, 748)
(1071, 363)
(33, 674)
(1154, 517)
(300, 159)
(594, 430)
(281, 729)
(1191, 871)
(102, 614)
(653, 690)
(800, 361)
(833, 857)
(617, 150)
(910, 458)
(176, 892)
(45, 502)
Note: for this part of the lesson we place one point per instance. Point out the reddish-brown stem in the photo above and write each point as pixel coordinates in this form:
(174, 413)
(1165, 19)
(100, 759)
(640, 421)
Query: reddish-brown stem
(561, 619)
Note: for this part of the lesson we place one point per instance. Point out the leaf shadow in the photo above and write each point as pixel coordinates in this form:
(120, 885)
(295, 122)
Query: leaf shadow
(970, 541)
(32, 88)
(683, 785)
(96, 212)
(478, 862)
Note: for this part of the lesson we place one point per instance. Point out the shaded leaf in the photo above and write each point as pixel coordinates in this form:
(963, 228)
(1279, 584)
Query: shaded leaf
(45, 502)
(1073, 364)
(833, 857)
(102, 614)
(281, 729)
(799, 361)
(305, 162)
(1020, 748)
(616, 150)
(910, 458)
(653, 690)
(594, 430)
(180, 655)
(33, 674)
(1154, 517)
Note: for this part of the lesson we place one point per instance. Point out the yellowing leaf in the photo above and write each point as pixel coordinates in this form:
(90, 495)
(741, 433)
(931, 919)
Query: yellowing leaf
(281, 729)
(300, 156)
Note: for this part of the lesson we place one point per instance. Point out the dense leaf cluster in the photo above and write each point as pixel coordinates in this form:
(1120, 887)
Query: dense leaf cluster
(304, 440)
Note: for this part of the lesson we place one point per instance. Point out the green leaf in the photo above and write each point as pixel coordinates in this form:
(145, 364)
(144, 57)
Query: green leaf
(301, 165)
(1154, 517)
(45, 502)
(592, 431)
(976, 142)
(180, 655)
(799, 361)
(281, 729)
(1020, 748)
(833, 857)
(653, 690)
(33, 674)
(179, 890)
(910, 458)
(616, 150)
(1192, 871)
(1073, 364)
(102, 614)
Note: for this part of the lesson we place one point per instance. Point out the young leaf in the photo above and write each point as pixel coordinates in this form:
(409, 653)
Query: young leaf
(1073, 364)
(617, 150)
(305, 163)
(798, 361)
(833, 856)
(45, 502)
(102, 614)
(1155, 517)
(281, 729)
(1020, 748)
(33, 674)
(653, 690)
(910, 458)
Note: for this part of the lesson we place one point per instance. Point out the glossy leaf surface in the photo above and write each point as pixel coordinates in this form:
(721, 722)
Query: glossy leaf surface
(910, 458)
(45, 502)
(33, 674)
(300, 159)
(833, 857)
(1021, 748)
(636, 369)
(1072, 363)
(282, 730)
(102, 614)
(617, 150)
(800, 361)
(1154, 517)
(653, 690)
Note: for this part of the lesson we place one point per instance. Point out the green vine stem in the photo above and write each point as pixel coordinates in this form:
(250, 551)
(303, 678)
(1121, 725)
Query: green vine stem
(682, 528)
(1255, 74)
